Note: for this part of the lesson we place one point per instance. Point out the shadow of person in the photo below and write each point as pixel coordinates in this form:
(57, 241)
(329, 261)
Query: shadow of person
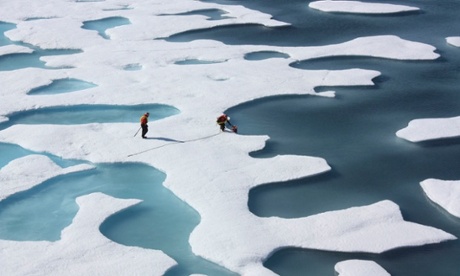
(166, 139)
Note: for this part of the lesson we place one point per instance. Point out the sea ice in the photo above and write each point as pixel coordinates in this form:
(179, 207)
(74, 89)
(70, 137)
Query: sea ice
(359, 268)
(211, 171)
(14, 49)
(445, 193)
(454, 40)
(359, 7)
(430, 129)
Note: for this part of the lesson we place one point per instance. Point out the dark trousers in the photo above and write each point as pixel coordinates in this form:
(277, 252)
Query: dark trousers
(145, 129)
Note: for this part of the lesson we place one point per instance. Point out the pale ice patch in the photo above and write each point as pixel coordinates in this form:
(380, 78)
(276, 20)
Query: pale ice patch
(359, 7)
(24, 173)
(82, 249)
(454, 40)
(445, 193)
(359, 268)
(14, 49)
(431, 128)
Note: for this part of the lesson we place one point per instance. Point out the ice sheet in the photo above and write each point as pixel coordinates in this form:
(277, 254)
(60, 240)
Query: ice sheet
(211, 171)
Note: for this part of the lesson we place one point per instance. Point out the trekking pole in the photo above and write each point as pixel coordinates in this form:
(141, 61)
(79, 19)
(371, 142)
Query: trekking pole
(137, 132)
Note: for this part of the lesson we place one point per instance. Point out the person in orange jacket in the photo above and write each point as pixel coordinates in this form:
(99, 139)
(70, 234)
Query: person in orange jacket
(144, 125)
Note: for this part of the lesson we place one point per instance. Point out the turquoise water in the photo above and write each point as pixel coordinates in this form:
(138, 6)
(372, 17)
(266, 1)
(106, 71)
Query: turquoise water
(25, 60)
(102, 25)
(62, 86)
(85, 114)
(20, 61)
(3, 28)
(10, 152)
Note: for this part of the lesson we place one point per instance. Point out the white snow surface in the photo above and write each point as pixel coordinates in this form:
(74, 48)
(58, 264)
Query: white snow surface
(454, 40)
(359, 268)
(445, 193)
(359, 7)
(419, 130)
(14, 49)
(214, 184)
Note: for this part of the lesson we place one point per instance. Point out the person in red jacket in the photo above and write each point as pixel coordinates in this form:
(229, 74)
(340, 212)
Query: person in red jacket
(222, 120)
(144, 125)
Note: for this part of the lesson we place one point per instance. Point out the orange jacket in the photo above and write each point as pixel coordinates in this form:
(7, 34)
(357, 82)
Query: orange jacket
(144, 119)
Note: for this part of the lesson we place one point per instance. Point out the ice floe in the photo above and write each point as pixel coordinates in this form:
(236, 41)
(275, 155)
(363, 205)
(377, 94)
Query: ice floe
(454, 40)
(14, 49)
(359, 7)
(359, 268)
(430, 129)
(445, 193)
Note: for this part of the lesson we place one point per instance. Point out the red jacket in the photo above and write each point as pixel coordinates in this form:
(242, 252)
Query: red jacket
(222, 119)
(144, 119)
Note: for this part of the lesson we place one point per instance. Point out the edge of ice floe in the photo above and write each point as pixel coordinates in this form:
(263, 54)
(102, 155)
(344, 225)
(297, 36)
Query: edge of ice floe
(445, 193)
(453, 40)
(359, 7)
(14, 49)
(24, 173)
(359, 268)
(420, 130)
